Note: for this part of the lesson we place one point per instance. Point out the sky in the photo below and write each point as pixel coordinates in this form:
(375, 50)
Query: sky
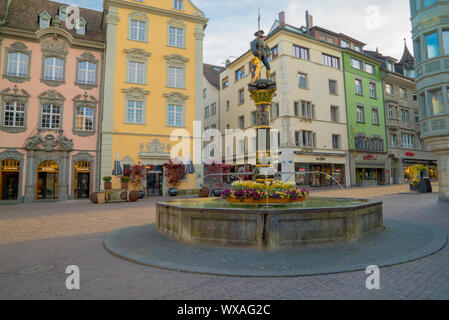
(380, 24)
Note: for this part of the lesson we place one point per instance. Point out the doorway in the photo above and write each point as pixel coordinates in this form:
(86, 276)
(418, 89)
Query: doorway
(82, 180)
(47, 186)
(9, 179)
(154, 181)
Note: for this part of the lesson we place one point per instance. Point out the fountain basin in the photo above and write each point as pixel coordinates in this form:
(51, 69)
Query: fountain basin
(316, 221)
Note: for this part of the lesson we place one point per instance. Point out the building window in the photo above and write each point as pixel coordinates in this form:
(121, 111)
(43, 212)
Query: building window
(358, 87)
(178, 4)
(335, 114)
(375, 116)
(408, 141)
(358, 49)
(298, 138)
(391, 112)
(416, 116)
(388, 89)
(213, 109)
(84, 119)
(134, 112)
(344, 44)
(175, 77)
(445, 36)
(423, 104)
(241, 123)
(369, 68)
(241, 96)
(206, 112)
(372, 90)
(405, 115)
(300, 52)
(336, 142)
(331, 61)
(137, 30)
(240, 73)
(14, 114)
(51, 117)
(403, 93)
(175, 116)
(18, 64)
(136, 72)
(333, 87)
(308, 139)
(302, 80)
(393, 140)
(274, 52)
(436, 101)
(307, 110)
(390, 66)
(356, 64)
(225, 82)
(360, 114)
(176, 37)
(63, 13)
(87, 72)
(432, 47)
(228, 105)
(44, 20)
(54, 69)
(81, 27)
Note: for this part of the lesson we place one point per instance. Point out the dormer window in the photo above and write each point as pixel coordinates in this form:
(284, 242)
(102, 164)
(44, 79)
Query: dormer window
(63, 13)
(44, 20)
(390, 66)
(81, 27)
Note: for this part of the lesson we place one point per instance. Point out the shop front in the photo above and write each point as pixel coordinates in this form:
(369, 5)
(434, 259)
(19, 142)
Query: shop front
(401, 163)
(369, 169)
(320, 171)
(11, 170)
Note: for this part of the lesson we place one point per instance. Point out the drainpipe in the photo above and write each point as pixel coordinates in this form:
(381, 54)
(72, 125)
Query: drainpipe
(351, 183)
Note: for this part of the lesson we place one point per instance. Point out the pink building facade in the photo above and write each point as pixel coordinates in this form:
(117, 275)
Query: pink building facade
(50, 91)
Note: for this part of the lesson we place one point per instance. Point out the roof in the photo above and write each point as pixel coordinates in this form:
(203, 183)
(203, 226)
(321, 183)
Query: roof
(212, 74)
(407, 58)
(340, 35)
(24, 15)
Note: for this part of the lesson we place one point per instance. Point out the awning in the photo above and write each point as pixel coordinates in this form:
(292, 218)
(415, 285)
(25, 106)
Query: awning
(418, 161)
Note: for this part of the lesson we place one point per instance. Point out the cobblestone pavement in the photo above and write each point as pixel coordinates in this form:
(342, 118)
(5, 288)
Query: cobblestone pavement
(38, 241)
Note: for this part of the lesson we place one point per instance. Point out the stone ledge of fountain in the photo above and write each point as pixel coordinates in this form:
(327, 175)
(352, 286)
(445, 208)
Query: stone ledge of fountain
(265, 228)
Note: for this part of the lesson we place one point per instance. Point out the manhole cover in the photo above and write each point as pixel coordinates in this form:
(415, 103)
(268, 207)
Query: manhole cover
(36, 269)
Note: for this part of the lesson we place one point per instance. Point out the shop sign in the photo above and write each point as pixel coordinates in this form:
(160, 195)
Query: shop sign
(370, 157)
(321, 159)
(410, 154)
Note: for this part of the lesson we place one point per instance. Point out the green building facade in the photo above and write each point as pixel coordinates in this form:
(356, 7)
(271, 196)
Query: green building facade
(366, 119)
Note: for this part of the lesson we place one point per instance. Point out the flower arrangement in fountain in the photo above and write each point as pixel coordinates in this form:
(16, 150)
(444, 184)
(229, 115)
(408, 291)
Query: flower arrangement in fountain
(272, 192)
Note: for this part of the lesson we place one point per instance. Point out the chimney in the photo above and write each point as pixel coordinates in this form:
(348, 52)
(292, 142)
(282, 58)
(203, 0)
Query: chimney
(282, 18)
(309, 21)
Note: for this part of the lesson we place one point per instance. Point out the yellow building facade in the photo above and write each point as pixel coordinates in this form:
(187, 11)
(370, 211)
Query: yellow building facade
(153, 82)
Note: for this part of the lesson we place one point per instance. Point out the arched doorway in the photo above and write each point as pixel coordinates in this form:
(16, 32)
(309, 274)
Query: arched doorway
(82, 180)
(47, 186)
(9, 179)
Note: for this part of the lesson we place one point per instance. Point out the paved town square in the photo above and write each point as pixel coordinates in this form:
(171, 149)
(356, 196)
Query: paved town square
(38, 241)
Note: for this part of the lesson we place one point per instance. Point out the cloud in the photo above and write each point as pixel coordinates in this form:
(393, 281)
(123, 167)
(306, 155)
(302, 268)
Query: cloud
(233, 22)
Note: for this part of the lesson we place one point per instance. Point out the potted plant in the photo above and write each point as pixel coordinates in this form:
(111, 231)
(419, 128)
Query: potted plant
(124, 181)
(107, 183)
(175, 172)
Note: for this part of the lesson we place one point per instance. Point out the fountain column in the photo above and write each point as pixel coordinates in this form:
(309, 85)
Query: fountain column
(262, 93)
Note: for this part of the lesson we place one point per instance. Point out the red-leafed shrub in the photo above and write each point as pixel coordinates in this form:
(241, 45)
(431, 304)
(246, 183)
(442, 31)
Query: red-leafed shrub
(175, 172)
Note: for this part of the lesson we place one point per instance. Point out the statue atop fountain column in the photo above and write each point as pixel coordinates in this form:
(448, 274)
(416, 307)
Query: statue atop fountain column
(261, 52)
